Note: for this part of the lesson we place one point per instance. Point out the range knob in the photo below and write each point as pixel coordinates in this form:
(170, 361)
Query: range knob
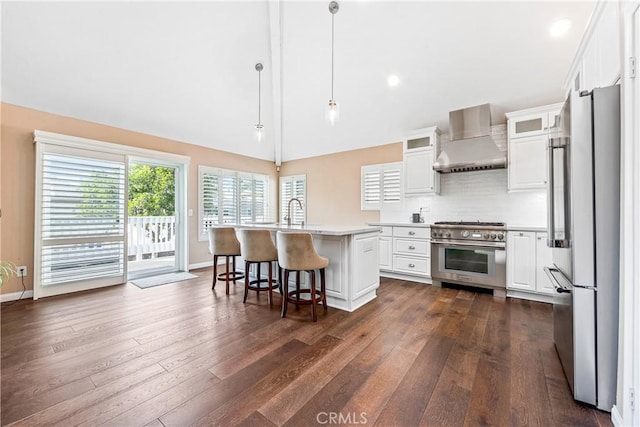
(447, 234)
(434, 233)
(500, 236)
(465, 233)
(485, 235)
(493, 236)
(440, 233)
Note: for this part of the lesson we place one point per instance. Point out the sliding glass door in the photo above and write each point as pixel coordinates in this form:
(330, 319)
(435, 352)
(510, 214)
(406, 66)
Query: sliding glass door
(80, 221)
(102, 209)
(153, 238)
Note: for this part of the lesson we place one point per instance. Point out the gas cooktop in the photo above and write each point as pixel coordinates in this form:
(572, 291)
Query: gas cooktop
(467, 223)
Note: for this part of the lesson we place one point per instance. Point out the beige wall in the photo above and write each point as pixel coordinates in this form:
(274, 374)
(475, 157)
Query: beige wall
(17, 174)
(333, 183)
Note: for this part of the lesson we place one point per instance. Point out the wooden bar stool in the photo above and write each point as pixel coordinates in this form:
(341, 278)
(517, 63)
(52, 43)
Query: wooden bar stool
(257, 247)
(223, 242)
(297, 253)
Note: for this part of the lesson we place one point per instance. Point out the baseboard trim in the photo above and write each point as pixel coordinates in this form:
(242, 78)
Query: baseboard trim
(200, 265)
(16, 295)
(616, 417)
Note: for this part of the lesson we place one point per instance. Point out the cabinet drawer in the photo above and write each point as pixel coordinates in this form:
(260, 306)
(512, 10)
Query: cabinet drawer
(406, 264)
(412, 232)
(412, 247)
(386, 230)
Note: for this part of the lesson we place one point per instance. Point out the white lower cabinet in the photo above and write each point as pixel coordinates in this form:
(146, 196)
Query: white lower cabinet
(405, 253)
(386, 249)
(527, 255)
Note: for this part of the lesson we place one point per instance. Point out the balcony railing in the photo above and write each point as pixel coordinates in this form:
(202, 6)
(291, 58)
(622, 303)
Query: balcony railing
(151, 236)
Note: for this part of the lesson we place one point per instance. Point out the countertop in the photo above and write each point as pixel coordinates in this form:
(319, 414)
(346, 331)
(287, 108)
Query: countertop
(400, 224)
(525, 228)
(321, 229)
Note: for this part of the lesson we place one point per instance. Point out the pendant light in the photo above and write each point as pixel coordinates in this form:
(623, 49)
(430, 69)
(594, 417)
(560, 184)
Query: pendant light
(333, 111)
(259, 127)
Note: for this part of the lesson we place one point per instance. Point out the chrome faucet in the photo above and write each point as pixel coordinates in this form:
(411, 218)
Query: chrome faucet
(288, 217)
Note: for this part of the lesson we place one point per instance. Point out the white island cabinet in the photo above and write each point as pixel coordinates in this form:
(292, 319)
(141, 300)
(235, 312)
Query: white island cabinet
(353, 252)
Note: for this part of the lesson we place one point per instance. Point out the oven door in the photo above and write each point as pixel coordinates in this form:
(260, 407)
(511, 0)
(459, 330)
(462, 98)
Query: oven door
(482, 263)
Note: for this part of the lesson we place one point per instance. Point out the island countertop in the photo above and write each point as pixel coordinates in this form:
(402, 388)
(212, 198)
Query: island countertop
(352, 276)
(321, 229)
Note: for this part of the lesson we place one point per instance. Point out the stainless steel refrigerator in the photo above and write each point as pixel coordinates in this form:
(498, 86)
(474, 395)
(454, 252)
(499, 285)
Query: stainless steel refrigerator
(584, 232)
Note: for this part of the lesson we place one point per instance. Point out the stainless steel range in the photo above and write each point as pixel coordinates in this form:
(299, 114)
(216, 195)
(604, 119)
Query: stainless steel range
(469, 253)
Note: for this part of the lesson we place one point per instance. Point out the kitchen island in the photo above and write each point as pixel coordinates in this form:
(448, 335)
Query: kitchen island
(352, 276)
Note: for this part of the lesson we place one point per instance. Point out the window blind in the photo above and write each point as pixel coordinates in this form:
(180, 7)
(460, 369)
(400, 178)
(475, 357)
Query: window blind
(82, 207)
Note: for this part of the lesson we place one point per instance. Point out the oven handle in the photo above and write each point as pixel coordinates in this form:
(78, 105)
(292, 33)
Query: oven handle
(458, 243)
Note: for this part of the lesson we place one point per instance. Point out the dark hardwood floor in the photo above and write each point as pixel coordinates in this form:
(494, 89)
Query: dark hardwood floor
(182, 354)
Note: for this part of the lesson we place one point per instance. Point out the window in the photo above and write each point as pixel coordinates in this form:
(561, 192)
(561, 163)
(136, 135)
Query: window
(290, 187)
(381, 185)
(231, 197)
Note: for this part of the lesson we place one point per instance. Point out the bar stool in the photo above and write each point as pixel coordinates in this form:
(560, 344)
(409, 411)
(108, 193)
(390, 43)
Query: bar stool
(257, 247)
(297, 253)
(223, 242)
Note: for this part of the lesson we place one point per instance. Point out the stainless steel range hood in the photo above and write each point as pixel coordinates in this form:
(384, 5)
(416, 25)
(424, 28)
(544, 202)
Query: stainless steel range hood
(471, 146)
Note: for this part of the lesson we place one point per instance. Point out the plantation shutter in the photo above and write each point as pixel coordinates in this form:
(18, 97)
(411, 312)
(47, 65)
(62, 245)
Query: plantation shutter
(380, 185)
(293, 187)
(371, 188)
(230, 197)
(209, 200)
(81, 214)
(391, 184)
(246, 198)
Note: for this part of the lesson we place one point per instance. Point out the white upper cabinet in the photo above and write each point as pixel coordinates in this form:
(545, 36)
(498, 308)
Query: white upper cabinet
(528, 139)
(598, 61)
(419, 150)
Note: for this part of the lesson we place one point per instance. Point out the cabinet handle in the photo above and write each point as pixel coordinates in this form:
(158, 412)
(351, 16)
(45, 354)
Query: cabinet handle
(412, 265)
(521, 234)
(413, 247)
(411, 233)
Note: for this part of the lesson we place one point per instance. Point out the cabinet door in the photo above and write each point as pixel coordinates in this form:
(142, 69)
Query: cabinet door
(529, 125)
(385, 253)
(528, 163)
(521, 261)
(544, 258)
(419, 176)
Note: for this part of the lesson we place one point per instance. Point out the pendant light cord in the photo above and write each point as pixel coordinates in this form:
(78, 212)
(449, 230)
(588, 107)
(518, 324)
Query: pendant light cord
(259, 72)
(332, 19)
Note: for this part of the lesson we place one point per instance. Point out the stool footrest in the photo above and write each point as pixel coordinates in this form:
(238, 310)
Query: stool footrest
(305, 301)
(231, 275)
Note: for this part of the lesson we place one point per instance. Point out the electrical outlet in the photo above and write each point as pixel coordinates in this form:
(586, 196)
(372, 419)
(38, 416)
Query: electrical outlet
(22, 271)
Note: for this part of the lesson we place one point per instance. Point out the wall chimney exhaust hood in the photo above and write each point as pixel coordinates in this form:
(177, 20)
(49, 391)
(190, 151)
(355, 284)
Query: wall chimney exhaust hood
(470, 147)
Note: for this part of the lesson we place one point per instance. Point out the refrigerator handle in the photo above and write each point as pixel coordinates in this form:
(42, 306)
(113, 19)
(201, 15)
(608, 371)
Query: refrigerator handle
(556, 284)
(551, 232)
(560, 143)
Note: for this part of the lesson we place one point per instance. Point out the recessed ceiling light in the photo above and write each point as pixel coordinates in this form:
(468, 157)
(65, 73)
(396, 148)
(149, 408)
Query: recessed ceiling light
(560, 27)
(393, 80)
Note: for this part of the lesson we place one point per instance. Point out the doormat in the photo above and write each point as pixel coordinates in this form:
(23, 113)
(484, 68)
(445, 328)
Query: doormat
(162, 279)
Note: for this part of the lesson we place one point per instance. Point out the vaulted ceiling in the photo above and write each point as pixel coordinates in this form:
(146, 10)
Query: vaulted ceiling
(185, 70)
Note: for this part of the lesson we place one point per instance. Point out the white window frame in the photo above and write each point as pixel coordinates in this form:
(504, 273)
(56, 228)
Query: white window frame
(238, 175)
(390, 189)
(54, 142)
(284, 199)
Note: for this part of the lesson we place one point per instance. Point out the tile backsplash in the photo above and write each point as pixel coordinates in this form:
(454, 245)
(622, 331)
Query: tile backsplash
(474, 196)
